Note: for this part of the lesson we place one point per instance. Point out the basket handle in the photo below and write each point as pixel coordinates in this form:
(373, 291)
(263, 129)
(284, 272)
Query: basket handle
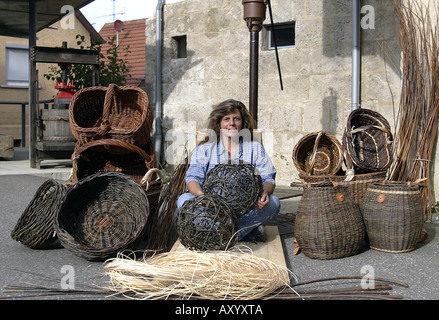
(108, 103)
(314, 151)
(146, 180)
(149, 160)
(385, 130)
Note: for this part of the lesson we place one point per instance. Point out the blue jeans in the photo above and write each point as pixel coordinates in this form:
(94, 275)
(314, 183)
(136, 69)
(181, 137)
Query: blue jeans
(251, 220)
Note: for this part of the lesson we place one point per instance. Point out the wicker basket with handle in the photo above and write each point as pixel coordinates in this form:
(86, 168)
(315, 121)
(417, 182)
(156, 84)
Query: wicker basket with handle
(113, 112)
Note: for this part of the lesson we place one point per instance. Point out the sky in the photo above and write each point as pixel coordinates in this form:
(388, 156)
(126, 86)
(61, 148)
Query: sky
(100, 12)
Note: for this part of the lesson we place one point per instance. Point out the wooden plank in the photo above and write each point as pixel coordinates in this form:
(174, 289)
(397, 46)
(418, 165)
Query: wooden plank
(271, 249)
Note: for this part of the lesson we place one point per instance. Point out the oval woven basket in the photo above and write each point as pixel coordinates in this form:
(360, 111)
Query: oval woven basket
(111, 155)
(206, 222)
(113, 112)
(35, 227)
(102, 215)
(394, 216)
(368, 140)
(328, 224)
(318, 153)
(239, 185)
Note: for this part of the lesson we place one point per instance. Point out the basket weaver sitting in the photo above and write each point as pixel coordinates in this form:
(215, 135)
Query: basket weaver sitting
(101, 215)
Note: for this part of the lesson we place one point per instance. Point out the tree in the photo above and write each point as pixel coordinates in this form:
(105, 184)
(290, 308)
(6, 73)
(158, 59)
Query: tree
(112, 66)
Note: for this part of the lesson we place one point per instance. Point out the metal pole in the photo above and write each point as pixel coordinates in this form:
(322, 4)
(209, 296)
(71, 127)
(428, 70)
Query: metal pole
(254, 74)
(356, 58)
(158, 82)
(32, 85)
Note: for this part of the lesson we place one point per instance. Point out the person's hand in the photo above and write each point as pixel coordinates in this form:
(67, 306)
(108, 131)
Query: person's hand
(262, 201)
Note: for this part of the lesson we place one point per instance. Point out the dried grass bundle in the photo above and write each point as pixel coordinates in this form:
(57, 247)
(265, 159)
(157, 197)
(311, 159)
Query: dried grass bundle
(418, 113)
(230, 275)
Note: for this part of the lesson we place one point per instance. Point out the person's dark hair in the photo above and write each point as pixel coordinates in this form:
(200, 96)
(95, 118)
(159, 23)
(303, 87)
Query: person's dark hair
(224, 108)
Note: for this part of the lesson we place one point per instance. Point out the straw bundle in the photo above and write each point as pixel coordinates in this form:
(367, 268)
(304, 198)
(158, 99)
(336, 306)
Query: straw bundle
(210, 275)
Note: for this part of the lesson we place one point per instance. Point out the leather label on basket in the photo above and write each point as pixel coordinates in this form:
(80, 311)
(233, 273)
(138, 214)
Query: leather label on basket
(340, 197)
(381, 197)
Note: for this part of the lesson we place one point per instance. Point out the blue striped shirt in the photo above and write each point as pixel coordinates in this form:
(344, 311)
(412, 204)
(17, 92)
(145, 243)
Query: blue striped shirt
(207, 155)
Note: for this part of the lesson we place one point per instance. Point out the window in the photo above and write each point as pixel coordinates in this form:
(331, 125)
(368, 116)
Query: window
(180, 47)
(17, 65)
(285, 36)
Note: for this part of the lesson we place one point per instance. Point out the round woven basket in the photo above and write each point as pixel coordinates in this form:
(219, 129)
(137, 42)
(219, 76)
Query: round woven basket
(394, 216)
(101, 215)
(328, 224)
(113, 112)
(318, 153)
(239, 185)
(206, 222)
(368, 140)
(35, 227)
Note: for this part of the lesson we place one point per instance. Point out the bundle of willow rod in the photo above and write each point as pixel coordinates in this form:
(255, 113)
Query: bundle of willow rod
(160, 228)
(225, 275)
(419, 102)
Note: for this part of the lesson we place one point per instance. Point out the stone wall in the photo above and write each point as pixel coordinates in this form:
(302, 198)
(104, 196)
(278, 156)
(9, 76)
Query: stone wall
(316, 72)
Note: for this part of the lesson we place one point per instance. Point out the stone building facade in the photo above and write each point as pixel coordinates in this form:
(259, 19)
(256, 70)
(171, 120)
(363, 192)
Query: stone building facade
(316, 71)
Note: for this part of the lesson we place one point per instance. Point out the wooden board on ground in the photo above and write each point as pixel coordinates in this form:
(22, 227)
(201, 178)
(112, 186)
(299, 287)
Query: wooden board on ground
(271, 249)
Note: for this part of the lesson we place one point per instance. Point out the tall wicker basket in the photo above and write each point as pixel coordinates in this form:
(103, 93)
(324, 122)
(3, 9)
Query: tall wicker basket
(113, 112)
(328, 223)
(393, 214)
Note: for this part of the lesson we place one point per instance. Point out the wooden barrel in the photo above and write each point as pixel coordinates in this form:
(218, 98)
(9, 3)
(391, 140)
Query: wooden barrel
(328, 223)
(55, 125)
(393, 214)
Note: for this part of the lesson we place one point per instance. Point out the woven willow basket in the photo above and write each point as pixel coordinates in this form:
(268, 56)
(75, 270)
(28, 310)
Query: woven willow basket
(35, 227)
(393, 214)
(368, 140)
(328, 223)
(239, 185)
(104, 155)
(101, 215)
(318, 153)
(113, 112)
(206, 222)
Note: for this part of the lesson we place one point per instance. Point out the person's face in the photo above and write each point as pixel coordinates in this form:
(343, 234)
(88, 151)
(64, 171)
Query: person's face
(231, 124)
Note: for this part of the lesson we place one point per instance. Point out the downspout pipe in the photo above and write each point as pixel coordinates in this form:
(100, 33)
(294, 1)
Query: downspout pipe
(158, 81)
(356, 56)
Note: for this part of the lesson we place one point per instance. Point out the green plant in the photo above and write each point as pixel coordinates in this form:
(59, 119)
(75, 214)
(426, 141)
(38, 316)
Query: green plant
(112, 66)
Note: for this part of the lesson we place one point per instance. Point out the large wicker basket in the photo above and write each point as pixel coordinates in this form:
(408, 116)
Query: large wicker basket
(102, 215)
(393, 214)
(368, 141)
(328, 224)
(318, 153)
(113, 112)
(112, 156)
(35, 227)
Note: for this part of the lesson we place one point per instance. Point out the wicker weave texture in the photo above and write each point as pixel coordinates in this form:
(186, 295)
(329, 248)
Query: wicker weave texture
(357, 184)
(206, 222)
(103, 155)
(239, 185)
(393, 214)
(101, 215)
(328, 223)
(113, 112)
(318, 153)
(35, 227)
(368, 140)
